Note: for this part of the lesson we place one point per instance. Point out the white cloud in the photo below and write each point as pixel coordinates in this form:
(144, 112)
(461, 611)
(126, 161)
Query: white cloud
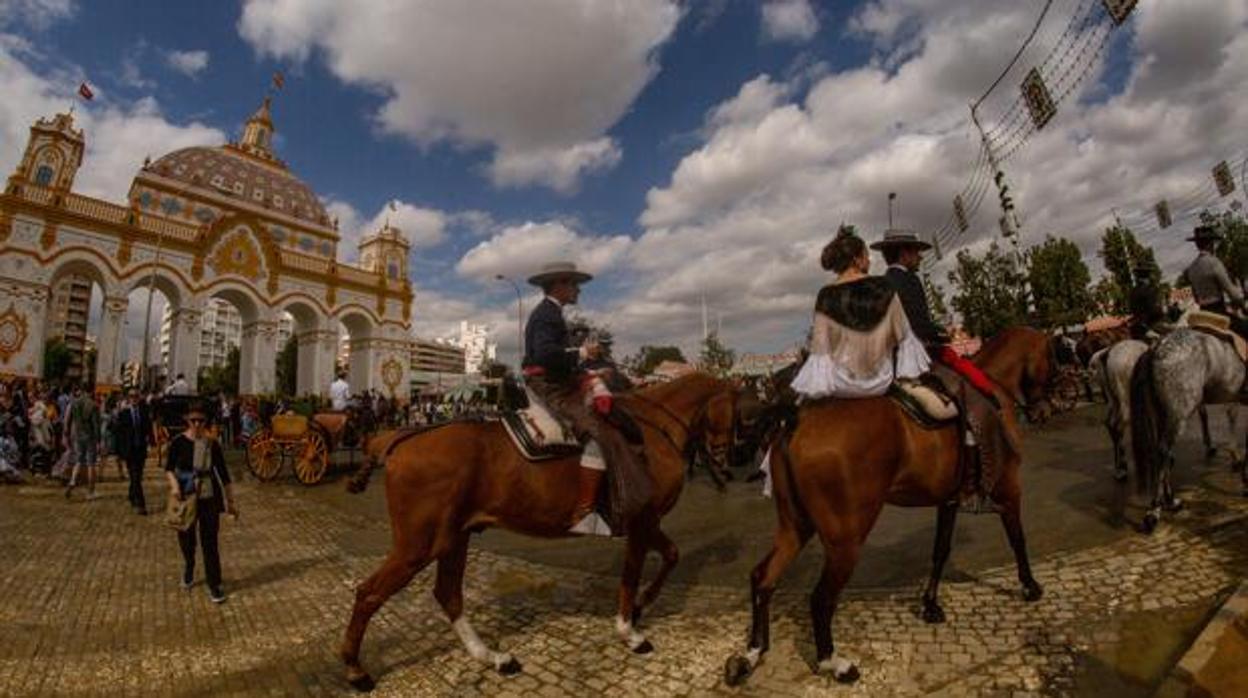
(520, 251)
(789, 20)
(189, 63)
(423, 227)
(539, 81)
(560, 169)
(37, 14)
(118, 136)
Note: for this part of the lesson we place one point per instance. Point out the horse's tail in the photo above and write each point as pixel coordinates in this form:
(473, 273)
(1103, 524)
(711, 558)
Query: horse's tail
(358, 482)
(1099, 364)
(1146, 423)
(376, 446)
(786, 489)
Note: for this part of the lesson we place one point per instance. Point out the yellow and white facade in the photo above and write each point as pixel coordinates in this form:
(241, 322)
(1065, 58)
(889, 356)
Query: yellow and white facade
(229, 222)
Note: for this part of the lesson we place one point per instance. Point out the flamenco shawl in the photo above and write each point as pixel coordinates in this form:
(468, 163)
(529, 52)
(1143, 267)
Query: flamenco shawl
(858, 325)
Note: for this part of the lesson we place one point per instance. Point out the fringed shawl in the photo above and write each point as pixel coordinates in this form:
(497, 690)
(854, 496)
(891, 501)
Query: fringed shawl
(858, 324)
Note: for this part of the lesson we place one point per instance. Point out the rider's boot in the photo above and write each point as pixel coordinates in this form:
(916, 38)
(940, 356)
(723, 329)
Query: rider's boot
(587, 521)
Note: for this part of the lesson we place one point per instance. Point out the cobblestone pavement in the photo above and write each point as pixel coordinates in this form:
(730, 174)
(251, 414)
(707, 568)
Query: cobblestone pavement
(92, 606)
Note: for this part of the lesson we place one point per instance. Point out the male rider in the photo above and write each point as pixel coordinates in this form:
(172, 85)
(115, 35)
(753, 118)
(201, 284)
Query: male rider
(1212, 286)
(553, 372)
(903, 251)
(1144, 302)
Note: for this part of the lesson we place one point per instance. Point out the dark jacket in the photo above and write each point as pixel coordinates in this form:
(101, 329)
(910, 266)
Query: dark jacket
(546, 342)
(181, 462)
(132, 436)
(914, 300)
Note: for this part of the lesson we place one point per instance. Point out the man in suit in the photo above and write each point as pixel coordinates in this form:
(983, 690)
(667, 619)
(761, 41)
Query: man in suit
(903, 252)
(134, 431)
(553, 372)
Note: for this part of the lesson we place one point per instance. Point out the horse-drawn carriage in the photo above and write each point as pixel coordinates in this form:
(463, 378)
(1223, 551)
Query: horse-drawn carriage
(169, 412)
(307, 443)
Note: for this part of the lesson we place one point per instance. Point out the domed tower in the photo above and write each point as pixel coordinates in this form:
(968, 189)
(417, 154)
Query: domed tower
(53, 154)
(385, 253)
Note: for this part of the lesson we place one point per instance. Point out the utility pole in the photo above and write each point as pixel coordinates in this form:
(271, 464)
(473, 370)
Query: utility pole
(1010, 229)
(519, 318)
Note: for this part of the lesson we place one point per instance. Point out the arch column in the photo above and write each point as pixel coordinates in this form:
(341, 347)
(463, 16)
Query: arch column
(257, 358)
(108, 344)
(316, 361)
(184, 340)
(361, 361)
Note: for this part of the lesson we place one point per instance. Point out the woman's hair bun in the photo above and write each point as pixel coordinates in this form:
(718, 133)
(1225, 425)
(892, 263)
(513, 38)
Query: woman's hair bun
(839, 254)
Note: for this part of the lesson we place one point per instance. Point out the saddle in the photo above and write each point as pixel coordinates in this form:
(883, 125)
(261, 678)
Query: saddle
(927, 404)
(1218, 325)
(538, 434)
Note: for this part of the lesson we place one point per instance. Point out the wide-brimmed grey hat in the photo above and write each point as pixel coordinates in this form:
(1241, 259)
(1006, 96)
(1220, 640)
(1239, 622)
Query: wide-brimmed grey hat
(559, 270)
(901, 238)
(1205, 232)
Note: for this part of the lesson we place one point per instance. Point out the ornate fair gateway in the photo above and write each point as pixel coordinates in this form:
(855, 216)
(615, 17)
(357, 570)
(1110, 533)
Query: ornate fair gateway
(228, 222)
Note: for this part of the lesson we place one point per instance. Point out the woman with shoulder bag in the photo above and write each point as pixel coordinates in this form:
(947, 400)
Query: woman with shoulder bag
(195, 468)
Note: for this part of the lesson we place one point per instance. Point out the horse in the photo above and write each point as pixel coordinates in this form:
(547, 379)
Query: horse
(847, 458)
(1183, 370)
(447, 482)
(1113, 367)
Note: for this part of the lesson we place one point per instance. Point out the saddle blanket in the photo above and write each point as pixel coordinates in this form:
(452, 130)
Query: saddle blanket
(537, 434)
(1218, 326)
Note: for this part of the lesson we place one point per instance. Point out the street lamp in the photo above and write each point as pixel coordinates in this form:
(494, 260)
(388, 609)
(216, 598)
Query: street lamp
(519, 318)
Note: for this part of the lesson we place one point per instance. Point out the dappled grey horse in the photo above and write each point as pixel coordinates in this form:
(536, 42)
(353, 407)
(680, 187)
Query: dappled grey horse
(1182, 371)
(1113, 367)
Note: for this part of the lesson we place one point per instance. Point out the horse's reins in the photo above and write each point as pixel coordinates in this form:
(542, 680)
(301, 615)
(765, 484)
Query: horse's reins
(687, 428)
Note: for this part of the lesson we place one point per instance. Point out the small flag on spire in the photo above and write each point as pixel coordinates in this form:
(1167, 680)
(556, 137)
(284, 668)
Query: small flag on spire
(279, 80)
(393, 205)
(85, 92)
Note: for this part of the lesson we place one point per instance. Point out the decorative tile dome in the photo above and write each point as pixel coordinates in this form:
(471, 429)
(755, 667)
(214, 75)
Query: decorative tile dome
(226, 170)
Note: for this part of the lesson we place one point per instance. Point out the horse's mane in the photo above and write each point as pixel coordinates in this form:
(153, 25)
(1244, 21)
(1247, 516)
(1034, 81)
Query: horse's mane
(1004, 338)
(662, 391)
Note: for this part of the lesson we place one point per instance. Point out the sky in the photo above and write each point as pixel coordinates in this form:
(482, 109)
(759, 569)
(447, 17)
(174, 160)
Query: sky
(681, 151)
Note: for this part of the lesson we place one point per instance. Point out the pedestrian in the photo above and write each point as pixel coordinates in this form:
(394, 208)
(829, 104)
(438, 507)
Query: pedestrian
(9, 455)
(84, 438)
(134, 432)
(195, 467)
(108, 438)
(226, 431)
(178, 386)
(41, 436)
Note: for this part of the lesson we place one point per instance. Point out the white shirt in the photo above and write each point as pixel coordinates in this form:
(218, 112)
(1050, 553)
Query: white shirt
(339, 393)
(178, 387)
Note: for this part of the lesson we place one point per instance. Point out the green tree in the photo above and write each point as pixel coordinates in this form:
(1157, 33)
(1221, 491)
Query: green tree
(56, 358)
(649, 357)
(1233, 250)
(989, 292)
(1060, 283)
(716, 359)
(1105, 295)
(936, 300)
(1121, 253)
(287, 367)
(224, 378)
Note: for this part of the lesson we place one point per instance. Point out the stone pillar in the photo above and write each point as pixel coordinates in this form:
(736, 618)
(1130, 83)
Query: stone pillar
(257, 360)
(184, 339)
(23, 322)
(108, 344)
(316, 361)
(362, 363)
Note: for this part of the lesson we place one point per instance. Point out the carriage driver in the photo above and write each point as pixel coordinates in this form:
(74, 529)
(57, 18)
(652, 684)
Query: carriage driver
(1212, 286)
(903, 251)
(553, 372)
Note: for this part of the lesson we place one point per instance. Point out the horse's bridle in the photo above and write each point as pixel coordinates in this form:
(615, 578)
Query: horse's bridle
(717, 452)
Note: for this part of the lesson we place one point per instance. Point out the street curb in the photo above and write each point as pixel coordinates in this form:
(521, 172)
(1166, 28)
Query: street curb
(1185, 678)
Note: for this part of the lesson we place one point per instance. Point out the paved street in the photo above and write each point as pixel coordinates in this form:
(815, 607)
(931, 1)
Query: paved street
(92, 604)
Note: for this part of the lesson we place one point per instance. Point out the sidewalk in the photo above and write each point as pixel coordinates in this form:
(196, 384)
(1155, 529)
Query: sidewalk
(93, 607)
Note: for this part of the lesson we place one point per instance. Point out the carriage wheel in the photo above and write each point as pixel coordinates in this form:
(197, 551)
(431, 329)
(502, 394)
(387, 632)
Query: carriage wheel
(263, 456)
(313, 458)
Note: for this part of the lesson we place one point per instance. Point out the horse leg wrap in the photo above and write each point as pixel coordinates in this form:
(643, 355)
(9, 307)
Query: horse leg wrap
(841, 669)
(476, 648)
(634, 639)
(753, 656)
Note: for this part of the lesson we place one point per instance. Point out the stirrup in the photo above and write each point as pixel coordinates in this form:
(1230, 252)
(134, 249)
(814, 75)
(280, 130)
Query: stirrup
(591, 525)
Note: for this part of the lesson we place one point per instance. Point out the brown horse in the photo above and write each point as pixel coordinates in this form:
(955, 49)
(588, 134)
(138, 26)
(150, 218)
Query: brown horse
(449, 482)
(847, 458)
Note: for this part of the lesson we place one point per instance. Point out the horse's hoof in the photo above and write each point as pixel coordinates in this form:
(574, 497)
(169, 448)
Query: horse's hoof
(644, 648)
(363, 683)
(1032, 592)
(510, 668)
(933, 613)
(736, 670)
(1149, 524)
(848, 676)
